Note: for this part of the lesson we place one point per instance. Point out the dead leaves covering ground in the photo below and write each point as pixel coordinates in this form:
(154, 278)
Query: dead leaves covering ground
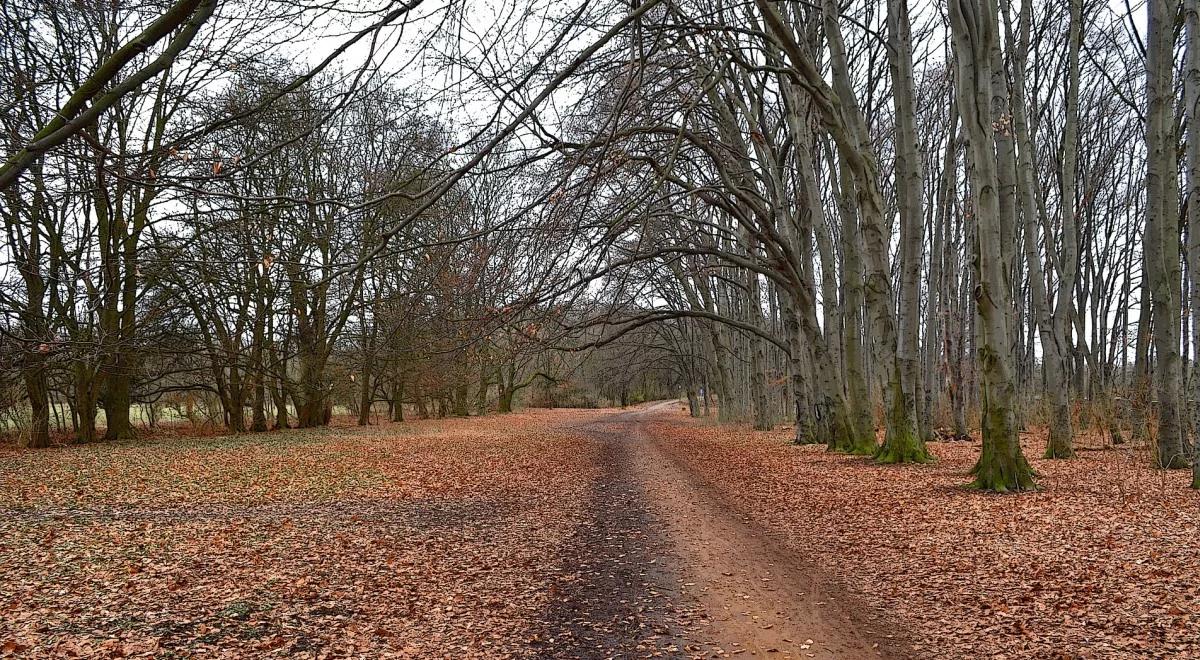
(470, 538)
(1104, 562)
(426, 539)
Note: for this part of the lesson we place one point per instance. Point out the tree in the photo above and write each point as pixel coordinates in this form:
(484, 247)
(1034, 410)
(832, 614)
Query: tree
(1162, 243)
(1002, 466)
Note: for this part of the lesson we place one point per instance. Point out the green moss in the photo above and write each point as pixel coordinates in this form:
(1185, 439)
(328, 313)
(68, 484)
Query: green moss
(1175, 462)
(903, 445)
(863, 446)
(903, 452)
(839, 436)
(844, 437)
(805, 437)
(1059, 444)
(861, 442)
(239, 610)
(1002, 468)
(1003, 477)
(1059, 450)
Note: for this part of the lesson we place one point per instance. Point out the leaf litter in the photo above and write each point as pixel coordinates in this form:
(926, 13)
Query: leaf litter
(446, 538)
(519, 536)
(1102, 562)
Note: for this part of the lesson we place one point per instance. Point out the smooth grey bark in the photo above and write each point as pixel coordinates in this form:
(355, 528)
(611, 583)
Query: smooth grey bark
(909, 189)
(938, 293)
(1051, 322)
(842, 117)
(1002, 466)
(1191, 81)
(1162, 243)
(854, 346)
(1060, 443)
(758, 357)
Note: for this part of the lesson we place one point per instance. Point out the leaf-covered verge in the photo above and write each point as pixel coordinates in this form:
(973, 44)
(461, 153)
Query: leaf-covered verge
(446, 538)
(1102, 562)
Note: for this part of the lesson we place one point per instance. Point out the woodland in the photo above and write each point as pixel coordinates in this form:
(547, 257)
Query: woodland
(382, 328)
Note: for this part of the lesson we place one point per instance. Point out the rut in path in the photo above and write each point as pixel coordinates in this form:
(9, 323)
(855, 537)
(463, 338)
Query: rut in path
(678, 572)
(623, 599)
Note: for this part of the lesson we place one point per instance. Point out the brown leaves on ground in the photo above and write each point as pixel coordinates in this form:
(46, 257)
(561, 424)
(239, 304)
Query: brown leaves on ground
(435, 538)
(527, 535)
(1103, 562)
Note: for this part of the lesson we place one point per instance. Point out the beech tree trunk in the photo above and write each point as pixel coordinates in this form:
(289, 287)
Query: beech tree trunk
(117, 401)
(1002, 466)
(909, 188)
(37, 389)
(85, 402)
(1060, 444)
(843, 118)
(1162, 231)
(854, 334)
(1191, 81)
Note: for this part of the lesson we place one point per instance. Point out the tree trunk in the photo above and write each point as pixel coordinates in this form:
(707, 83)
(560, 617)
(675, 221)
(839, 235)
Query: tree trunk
(258, 422)
(843, 117)
(258, 376)
(507, 388)
(1060, 444)
(937, 288)
(37, 388)
(461, 395)
(1053, 343)
(117, 401)
(1162, 231)
(482, 391)
(823, 409)
(310, 408)
(398, 400)
(1002, 466)
(909, 187)
(365, 395)
(505, 402)
(1192, 95)
(854, 344)
(422, 406)
(754, 315)
(85, 402)
(279, 397)
(235, 399)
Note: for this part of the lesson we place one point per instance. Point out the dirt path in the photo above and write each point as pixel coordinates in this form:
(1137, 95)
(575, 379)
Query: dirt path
(758, 599)
(544, 534)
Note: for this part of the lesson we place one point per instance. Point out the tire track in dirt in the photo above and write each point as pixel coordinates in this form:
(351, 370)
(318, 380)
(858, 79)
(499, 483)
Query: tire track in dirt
(617, 595)
(756, 598)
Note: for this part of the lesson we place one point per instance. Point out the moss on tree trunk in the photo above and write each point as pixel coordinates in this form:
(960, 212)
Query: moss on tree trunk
(1002, 467)
(903, 443)
(116, 408)
(1059, 444)
(845, 436)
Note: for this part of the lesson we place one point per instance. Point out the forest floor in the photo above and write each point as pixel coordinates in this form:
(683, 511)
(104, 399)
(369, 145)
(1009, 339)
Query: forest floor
(593, 534)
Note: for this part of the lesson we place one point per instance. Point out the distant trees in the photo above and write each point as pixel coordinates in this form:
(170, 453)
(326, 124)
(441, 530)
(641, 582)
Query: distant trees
(80, 181)
(239, 263)
(768, 209)
(781, 204)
